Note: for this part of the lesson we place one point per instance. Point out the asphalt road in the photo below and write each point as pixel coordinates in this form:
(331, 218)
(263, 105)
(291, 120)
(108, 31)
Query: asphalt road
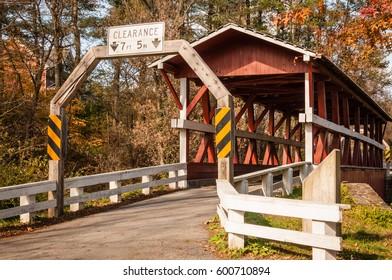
(169, 227)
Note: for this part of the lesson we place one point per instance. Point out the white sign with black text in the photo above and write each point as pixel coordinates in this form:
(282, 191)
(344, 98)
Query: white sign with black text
(136, 38)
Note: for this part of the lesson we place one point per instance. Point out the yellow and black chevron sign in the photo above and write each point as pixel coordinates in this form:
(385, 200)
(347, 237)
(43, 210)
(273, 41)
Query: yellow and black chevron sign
(54, 137)
(387, 156)
(223, 131)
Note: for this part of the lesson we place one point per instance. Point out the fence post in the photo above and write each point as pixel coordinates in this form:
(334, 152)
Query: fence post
(267, 184)
(26, 200)
(287, 179)
(76, 192)
(323, 185)
(236, 241)
(323, 228)
(173, 174)
(242, 186)
(303, 172)
(146, 179)
(115, 185)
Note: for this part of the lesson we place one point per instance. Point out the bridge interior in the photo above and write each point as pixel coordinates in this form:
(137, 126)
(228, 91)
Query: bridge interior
(290, 105)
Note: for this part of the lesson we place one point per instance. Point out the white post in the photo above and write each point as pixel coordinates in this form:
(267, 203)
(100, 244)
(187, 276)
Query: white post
(115, 185)
(287, 179)
(146, 179)
(323, 185)
(267, 184)
(236, 241)
(242, 187)
(173, 174)
(324, 228)
(184, 149)
(76, 192)
(26, 200)
(308, 111)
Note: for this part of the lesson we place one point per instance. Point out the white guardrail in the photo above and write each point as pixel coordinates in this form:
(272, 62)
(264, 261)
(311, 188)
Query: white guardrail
(233, 205)
(27, 192)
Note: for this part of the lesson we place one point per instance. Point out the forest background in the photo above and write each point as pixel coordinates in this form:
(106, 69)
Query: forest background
(121, 117)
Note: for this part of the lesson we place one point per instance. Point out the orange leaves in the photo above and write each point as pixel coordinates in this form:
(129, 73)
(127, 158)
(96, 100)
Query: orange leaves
(297, 17)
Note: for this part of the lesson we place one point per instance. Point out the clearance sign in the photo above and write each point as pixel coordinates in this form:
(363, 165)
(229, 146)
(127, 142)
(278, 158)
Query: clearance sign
(137, 38)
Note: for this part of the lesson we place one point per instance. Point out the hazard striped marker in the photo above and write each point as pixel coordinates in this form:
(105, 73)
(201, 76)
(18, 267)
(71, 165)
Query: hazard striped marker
(387, 156)
(54, 137)
(223, 132)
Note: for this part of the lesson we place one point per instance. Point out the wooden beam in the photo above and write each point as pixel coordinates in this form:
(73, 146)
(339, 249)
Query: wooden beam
(334, 128)
(347, 141)
(286, 157)
(251, 154)
(171, 88)
(196, 99)
(335, 118)
(322, 139)
(357, 158)
(209, 128)
(309, 91)
(203, 71)
(248, 103)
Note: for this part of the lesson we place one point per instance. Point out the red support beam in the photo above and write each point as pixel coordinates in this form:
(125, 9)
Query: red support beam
(347, 141)
(270, 156)
(196, 99)
(335, 118)
(357, 158)
(251, 153)
(365, 149)
(247, 105)
(372, 160)
(207, 145)
(172, 90)
(322, 139)
(298, 138)
(261, 117)
(286, 157)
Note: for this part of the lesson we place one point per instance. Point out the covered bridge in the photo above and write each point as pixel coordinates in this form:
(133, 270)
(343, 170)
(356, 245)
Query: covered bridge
(291, 105)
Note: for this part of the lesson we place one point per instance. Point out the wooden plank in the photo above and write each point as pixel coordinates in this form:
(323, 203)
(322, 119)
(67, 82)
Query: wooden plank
(208, 128)
(357, 158)
(309, 91)
(171, 88)
(283, 207)
(335, 118)
(273, 170)
(284, 235)
(123, 189)
(120, 175)
(330, 126)
(248, 103)
(26, 189)
(203, 71)
(16, 211)
(196, 99)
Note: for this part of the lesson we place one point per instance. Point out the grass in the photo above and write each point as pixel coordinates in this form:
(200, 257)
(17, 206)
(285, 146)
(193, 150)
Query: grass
(366, 233)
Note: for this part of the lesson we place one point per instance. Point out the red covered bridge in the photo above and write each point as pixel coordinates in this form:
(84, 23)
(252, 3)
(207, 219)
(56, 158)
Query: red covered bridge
(291, 105)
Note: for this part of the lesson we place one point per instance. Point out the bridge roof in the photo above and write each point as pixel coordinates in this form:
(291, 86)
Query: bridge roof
(252, 63)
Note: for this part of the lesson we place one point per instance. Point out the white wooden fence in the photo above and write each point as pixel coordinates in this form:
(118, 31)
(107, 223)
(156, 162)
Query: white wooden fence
(266, 178)
(233, 205)
(115, 180)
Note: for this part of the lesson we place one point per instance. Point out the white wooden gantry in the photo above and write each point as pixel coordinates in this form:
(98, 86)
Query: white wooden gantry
(88, 64)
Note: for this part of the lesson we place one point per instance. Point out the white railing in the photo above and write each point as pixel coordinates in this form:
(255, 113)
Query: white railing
(233, 205)
(266, 179)
(117, 185)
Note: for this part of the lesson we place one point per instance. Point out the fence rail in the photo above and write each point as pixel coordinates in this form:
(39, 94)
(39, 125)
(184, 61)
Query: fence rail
(235, 201)
(233, 205)
(266, 178)
(27, 193)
